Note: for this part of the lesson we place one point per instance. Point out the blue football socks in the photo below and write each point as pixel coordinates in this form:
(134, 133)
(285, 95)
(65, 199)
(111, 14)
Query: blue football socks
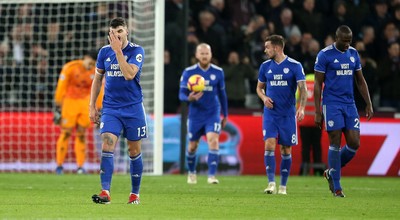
(106, 169)
(136, 170)
(191, 161)
(213, 156)
(270, 163)
(334, 163)
(346, 154)
(286, 163)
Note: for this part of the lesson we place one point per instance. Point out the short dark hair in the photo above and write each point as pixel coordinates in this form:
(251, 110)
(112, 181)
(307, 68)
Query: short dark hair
(344, 29)
(114, 23)
(276, 40)
(92, 54)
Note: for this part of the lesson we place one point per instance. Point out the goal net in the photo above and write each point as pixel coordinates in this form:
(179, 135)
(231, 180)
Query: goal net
(36, 39)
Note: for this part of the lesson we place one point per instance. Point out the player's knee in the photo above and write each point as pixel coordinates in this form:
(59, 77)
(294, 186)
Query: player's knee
(353, 145)
(108, 142)
(66, 133)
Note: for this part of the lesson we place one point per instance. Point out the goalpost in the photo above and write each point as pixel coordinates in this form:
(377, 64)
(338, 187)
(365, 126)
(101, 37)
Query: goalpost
(37, 37)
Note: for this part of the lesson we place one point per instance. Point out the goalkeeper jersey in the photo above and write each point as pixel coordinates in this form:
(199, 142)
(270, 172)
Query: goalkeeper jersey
(75, 81)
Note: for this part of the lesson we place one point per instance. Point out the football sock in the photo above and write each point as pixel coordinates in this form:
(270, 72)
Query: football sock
(269, 161)
(286, 163)
(212, 161)
(191, 161)
(62, 147)
(346, 154)
(136, 169)
(334, 163)
(80, 147)
(106, 169)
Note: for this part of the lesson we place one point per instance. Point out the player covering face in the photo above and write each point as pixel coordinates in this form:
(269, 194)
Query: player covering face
(120, 63)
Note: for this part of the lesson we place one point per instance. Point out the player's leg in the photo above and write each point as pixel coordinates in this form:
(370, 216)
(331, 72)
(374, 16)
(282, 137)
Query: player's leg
(136, 170)
(195, 131)
(287, 138)
(62, 148)
(270, 132)
(110, 128)
(69, 116)
(135, 125)
(80, 148)
(334, 123)
(351, 134)
(213, 129)
(80, 140)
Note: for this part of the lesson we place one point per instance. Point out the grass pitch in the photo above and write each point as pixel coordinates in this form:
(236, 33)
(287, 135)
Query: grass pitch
(47, 196)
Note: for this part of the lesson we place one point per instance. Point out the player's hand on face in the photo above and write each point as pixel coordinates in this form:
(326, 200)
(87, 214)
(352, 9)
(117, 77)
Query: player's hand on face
(318, 120)
(195, 96)
(268, 102)
(115, 42)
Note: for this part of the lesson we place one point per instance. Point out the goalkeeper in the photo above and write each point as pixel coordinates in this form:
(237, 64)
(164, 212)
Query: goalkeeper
(71, 112)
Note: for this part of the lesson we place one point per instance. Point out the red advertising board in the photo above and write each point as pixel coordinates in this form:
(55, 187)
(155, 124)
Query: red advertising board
(377, 155)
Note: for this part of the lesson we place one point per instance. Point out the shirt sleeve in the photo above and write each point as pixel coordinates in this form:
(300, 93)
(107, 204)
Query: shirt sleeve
(299, 71)
(100, 60)
(320, 63)
(183, 90)
(222, 96)
(137, 57)
(261, 75)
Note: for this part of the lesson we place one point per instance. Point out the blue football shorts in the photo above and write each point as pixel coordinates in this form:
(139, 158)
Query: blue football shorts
(130, 120)
(198, 128)
(337, 117)
(284, 128)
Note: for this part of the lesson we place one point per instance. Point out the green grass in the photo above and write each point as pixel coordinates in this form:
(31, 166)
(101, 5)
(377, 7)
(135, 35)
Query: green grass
(47, 196)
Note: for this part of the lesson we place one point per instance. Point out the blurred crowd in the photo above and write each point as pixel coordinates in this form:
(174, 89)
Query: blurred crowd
(235, 29)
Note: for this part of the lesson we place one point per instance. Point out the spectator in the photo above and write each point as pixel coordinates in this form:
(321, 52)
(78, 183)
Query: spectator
(310, 20)
(171, 82)
(213, 35)
(236, 74)
(311, 56)
(389, 76)
(369, 68)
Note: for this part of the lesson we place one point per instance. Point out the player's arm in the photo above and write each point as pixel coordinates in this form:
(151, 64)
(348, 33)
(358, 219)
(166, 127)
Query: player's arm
(261, 94)
(62, 85)
(223, 100)
(319, 79)
(95, 90)
(302, 100)
(363, 89)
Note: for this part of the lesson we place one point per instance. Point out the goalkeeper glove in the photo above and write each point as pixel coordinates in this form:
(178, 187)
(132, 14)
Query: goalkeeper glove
(57, 116)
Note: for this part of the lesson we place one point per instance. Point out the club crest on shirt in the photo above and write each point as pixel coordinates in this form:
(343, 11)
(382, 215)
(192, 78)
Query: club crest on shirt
(285, 70)
(330, 123)
(139, 58)
(126, 57)
(213, 77)
(352, 59)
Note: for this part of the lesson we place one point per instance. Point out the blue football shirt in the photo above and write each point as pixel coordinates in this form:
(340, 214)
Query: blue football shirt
(209, 104)
(339, 68)
(119, 92)
(281, 84)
